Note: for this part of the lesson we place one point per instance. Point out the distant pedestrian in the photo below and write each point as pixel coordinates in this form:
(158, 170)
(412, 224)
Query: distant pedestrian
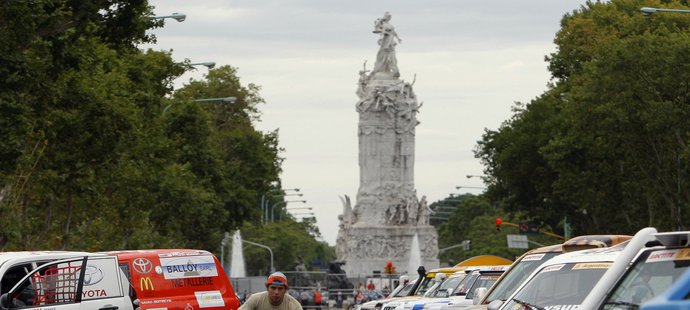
(304, 297)
(371, 285)
(274, 298)
(318, 299)
(339, 300)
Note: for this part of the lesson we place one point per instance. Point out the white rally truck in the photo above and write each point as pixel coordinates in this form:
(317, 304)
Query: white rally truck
(63, 281)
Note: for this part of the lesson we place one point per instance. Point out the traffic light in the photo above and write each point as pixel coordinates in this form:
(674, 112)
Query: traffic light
(389, 269)
(498, 224)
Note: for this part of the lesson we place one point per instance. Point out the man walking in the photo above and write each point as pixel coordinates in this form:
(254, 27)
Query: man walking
(274, 298)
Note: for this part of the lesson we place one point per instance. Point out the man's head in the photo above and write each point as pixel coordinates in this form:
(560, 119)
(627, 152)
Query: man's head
(276, 285)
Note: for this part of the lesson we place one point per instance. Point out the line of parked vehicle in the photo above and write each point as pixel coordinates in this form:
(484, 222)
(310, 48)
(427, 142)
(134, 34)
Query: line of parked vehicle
(586, 272)
(142, 279)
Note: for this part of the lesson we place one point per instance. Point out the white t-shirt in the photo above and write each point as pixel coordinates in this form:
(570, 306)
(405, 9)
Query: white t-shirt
(259, 301)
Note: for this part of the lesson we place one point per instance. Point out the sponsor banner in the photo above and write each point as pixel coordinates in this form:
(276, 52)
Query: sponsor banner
(209, 299)
(533, 257)
(192, 282)
(188, 267)
(661, 256)
(553, 268)
(592, 266)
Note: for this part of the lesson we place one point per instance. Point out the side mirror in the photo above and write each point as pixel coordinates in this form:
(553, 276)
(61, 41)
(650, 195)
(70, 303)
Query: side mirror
(449, 292)
(494, 305)
(4, 304)
(478, 295)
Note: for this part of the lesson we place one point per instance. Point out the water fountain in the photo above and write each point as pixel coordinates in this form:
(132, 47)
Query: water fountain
(237, 269)
(415, 256)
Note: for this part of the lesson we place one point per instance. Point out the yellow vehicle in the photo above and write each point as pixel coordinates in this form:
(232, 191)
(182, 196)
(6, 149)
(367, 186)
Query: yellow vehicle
(484, 260)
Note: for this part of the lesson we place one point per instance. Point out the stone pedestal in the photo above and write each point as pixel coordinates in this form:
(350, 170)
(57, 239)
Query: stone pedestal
(369, 248)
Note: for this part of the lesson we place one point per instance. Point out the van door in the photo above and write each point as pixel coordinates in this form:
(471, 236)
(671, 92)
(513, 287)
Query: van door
(61, 285)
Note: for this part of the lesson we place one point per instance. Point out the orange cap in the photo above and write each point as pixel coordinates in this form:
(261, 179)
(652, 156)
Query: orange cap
(277, 278)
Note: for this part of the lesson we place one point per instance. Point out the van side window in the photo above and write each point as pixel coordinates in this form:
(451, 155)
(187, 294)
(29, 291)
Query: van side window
(52, 284)
(125, 268)
(12, 276)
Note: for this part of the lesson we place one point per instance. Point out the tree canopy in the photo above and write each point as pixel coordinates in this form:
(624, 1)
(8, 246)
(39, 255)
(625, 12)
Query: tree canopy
(99, 151)
(606, 144)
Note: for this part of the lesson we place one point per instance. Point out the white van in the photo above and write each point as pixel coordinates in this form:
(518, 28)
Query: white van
(655, 268)
(564, 281)
(461, 294)
(84, 281)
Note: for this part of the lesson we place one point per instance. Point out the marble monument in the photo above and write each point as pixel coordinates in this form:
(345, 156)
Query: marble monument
(388, 215)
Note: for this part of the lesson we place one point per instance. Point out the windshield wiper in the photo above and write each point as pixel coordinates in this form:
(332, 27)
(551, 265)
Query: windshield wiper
(623, 303)
(524, 303)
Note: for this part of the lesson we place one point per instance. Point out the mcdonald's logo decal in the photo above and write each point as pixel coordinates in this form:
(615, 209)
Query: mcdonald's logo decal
(146, 284)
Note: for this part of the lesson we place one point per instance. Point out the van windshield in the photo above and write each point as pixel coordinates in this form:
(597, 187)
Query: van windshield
(485, 280)
(405, 291)
(562, 285)
(517, 275)
(651, 274)
(450, 283)
(427, 284)
(465, 284)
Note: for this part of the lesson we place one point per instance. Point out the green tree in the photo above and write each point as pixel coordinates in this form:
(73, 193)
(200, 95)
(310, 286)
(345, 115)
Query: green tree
(291, 241)
(609, 139)
(92, 162)
(474, 220)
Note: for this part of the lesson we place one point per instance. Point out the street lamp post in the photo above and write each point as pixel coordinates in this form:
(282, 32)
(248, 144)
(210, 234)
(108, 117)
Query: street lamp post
(282, 202)
(264, 200)
(293, 209)
(649, 11)
(180, 17)
(223, 100)
(304, 215)
(208, 64)
(472, 187)
(304, 208)
(265, 247)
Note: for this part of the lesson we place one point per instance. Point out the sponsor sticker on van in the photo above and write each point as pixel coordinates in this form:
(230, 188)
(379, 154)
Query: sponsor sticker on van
(533, 257)
(209, 299)
(188, 267)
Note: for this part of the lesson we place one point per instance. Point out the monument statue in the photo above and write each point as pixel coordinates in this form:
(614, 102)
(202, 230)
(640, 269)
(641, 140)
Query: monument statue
(387, 215)
(385, 59)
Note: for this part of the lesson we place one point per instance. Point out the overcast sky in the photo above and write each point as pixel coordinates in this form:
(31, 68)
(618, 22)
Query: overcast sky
(472, 61)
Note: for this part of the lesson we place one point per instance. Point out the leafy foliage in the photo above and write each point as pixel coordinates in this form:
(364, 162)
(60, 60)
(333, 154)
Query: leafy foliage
(606, 145)
(474, 220)
(91, 158)
(292, 241)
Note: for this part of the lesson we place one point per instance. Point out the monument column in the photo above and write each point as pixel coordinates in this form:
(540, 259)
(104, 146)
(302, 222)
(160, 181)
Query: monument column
(388, 216)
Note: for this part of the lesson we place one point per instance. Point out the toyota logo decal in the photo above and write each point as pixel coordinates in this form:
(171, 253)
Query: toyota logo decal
(142, 265)
(92, 275)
